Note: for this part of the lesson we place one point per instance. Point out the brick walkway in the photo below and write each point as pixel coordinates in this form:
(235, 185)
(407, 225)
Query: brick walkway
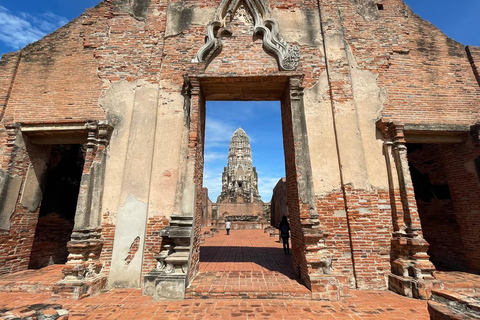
(459, 281)
(251, 261)
(130, 304)
(245, 264)
(33, 280)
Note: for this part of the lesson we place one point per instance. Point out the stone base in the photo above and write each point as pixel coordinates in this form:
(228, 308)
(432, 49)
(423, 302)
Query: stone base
(149, 282)
(79, 289)
(413, 288)
(170, 287)
(164, 286)
(447, 305)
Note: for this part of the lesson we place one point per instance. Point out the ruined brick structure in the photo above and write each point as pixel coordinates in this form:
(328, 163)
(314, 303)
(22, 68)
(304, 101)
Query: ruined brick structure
(239, 201)
(239, 177)
(360, 84)
(278, 204)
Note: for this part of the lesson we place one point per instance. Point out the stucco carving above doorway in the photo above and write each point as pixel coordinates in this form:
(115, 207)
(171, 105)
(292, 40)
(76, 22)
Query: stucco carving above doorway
(287, 55)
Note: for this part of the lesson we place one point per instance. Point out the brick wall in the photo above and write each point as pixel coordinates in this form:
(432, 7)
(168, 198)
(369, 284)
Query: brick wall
(50, 243)
(16, 243)
(278, 207)
(294, 206)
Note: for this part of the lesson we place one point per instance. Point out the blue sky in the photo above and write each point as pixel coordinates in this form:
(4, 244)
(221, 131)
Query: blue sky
(23, 22)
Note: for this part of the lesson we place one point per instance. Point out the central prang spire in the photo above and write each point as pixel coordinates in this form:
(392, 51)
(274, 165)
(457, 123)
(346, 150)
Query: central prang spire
(239, 178)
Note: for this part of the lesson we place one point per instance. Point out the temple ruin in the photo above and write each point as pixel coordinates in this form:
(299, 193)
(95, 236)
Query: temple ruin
(239, 200)
(380, 119)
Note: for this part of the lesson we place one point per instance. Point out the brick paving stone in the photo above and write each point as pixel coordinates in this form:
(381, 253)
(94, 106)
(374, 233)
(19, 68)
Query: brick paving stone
(130, 304)
(246, 264)
(261, 268)
(33, 280)
(459, 281)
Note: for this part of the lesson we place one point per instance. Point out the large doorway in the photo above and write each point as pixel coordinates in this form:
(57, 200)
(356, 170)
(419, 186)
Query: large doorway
(244, 160)
(438, 210)
(58, 206)
(293, 133)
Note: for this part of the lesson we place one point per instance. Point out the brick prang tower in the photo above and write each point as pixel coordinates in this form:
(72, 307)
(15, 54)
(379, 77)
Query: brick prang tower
(239, 178)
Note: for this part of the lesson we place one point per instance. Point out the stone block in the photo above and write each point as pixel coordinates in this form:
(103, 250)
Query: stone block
(170, 287)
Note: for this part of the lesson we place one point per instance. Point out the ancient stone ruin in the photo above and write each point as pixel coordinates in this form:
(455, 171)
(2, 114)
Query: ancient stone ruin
(380, 119)
(239, 200)
(239, 177)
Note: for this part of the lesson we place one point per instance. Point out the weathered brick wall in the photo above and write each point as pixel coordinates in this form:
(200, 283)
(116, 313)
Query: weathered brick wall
(16, 243)
(153, 243)
(294, 215)
(56, 83)
(463, 180)
(278, 204)
(421, 71)
(240, 209)
(474, 58)
(370, 224)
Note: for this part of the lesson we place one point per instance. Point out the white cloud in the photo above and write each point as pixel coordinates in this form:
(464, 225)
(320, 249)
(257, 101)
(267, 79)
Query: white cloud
(212, 156)
(16, 31)
(266, 185)
(218, 133)
(213, 181)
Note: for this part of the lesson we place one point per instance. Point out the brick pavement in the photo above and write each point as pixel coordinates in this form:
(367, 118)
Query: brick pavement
(245, 264)
(130, 304)
(246, 256)
(32, 280)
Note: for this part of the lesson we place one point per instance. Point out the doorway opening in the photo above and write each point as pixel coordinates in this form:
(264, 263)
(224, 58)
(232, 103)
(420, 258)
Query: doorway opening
(58, 205)
(286, 94)
(436, 207)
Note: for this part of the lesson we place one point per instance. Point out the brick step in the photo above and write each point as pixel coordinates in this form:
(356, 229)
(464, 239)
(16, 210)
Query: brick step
(249, 295)
(447, 305)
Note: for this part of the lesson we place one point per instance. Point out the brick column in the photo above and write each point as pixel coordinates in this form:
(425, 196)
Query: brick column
(312, 259)
(179, 256)
(412, 271)
(82, 274)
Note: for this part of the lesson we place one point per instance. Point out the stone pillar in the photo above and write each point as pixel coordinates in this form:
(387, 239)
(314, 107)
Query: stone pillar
(82, 274)
(10, 182)
(412, 271)
(171, 276)
(311, 256)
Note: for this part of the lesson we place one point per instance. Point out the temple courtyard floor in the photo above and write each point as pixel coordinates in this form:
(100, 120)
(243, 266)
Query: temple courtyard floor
(245, 275)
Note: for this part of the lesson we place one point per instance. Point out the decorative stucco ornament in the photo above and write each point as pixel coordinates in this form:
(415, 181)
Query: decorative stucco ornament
(287, 55)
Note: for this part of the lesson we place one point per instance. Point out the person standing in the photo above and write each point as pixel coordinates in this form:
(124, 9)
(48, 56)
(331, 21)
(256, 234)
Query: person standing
(285, 234)
(227, 226)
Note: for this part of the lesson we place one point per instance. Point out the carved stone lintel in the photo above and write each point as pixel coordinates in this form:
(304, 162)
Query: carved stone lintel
(287, 55)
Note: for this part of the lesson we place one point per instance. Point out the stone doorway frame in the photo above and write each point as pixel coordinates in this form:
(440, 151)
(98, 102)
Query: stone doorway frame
(412, 272)
(197, 89)
(82, 274)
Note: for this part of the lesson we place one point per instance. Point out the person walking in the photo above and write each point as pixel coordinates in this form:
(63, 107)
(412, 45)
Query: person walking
(285, 234)
(227, 226)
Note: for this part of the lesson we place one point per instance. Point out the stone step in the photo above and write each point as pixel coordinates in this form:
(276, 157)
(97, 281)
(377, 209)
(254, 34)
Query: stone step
(454, 305)
(248, 295)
